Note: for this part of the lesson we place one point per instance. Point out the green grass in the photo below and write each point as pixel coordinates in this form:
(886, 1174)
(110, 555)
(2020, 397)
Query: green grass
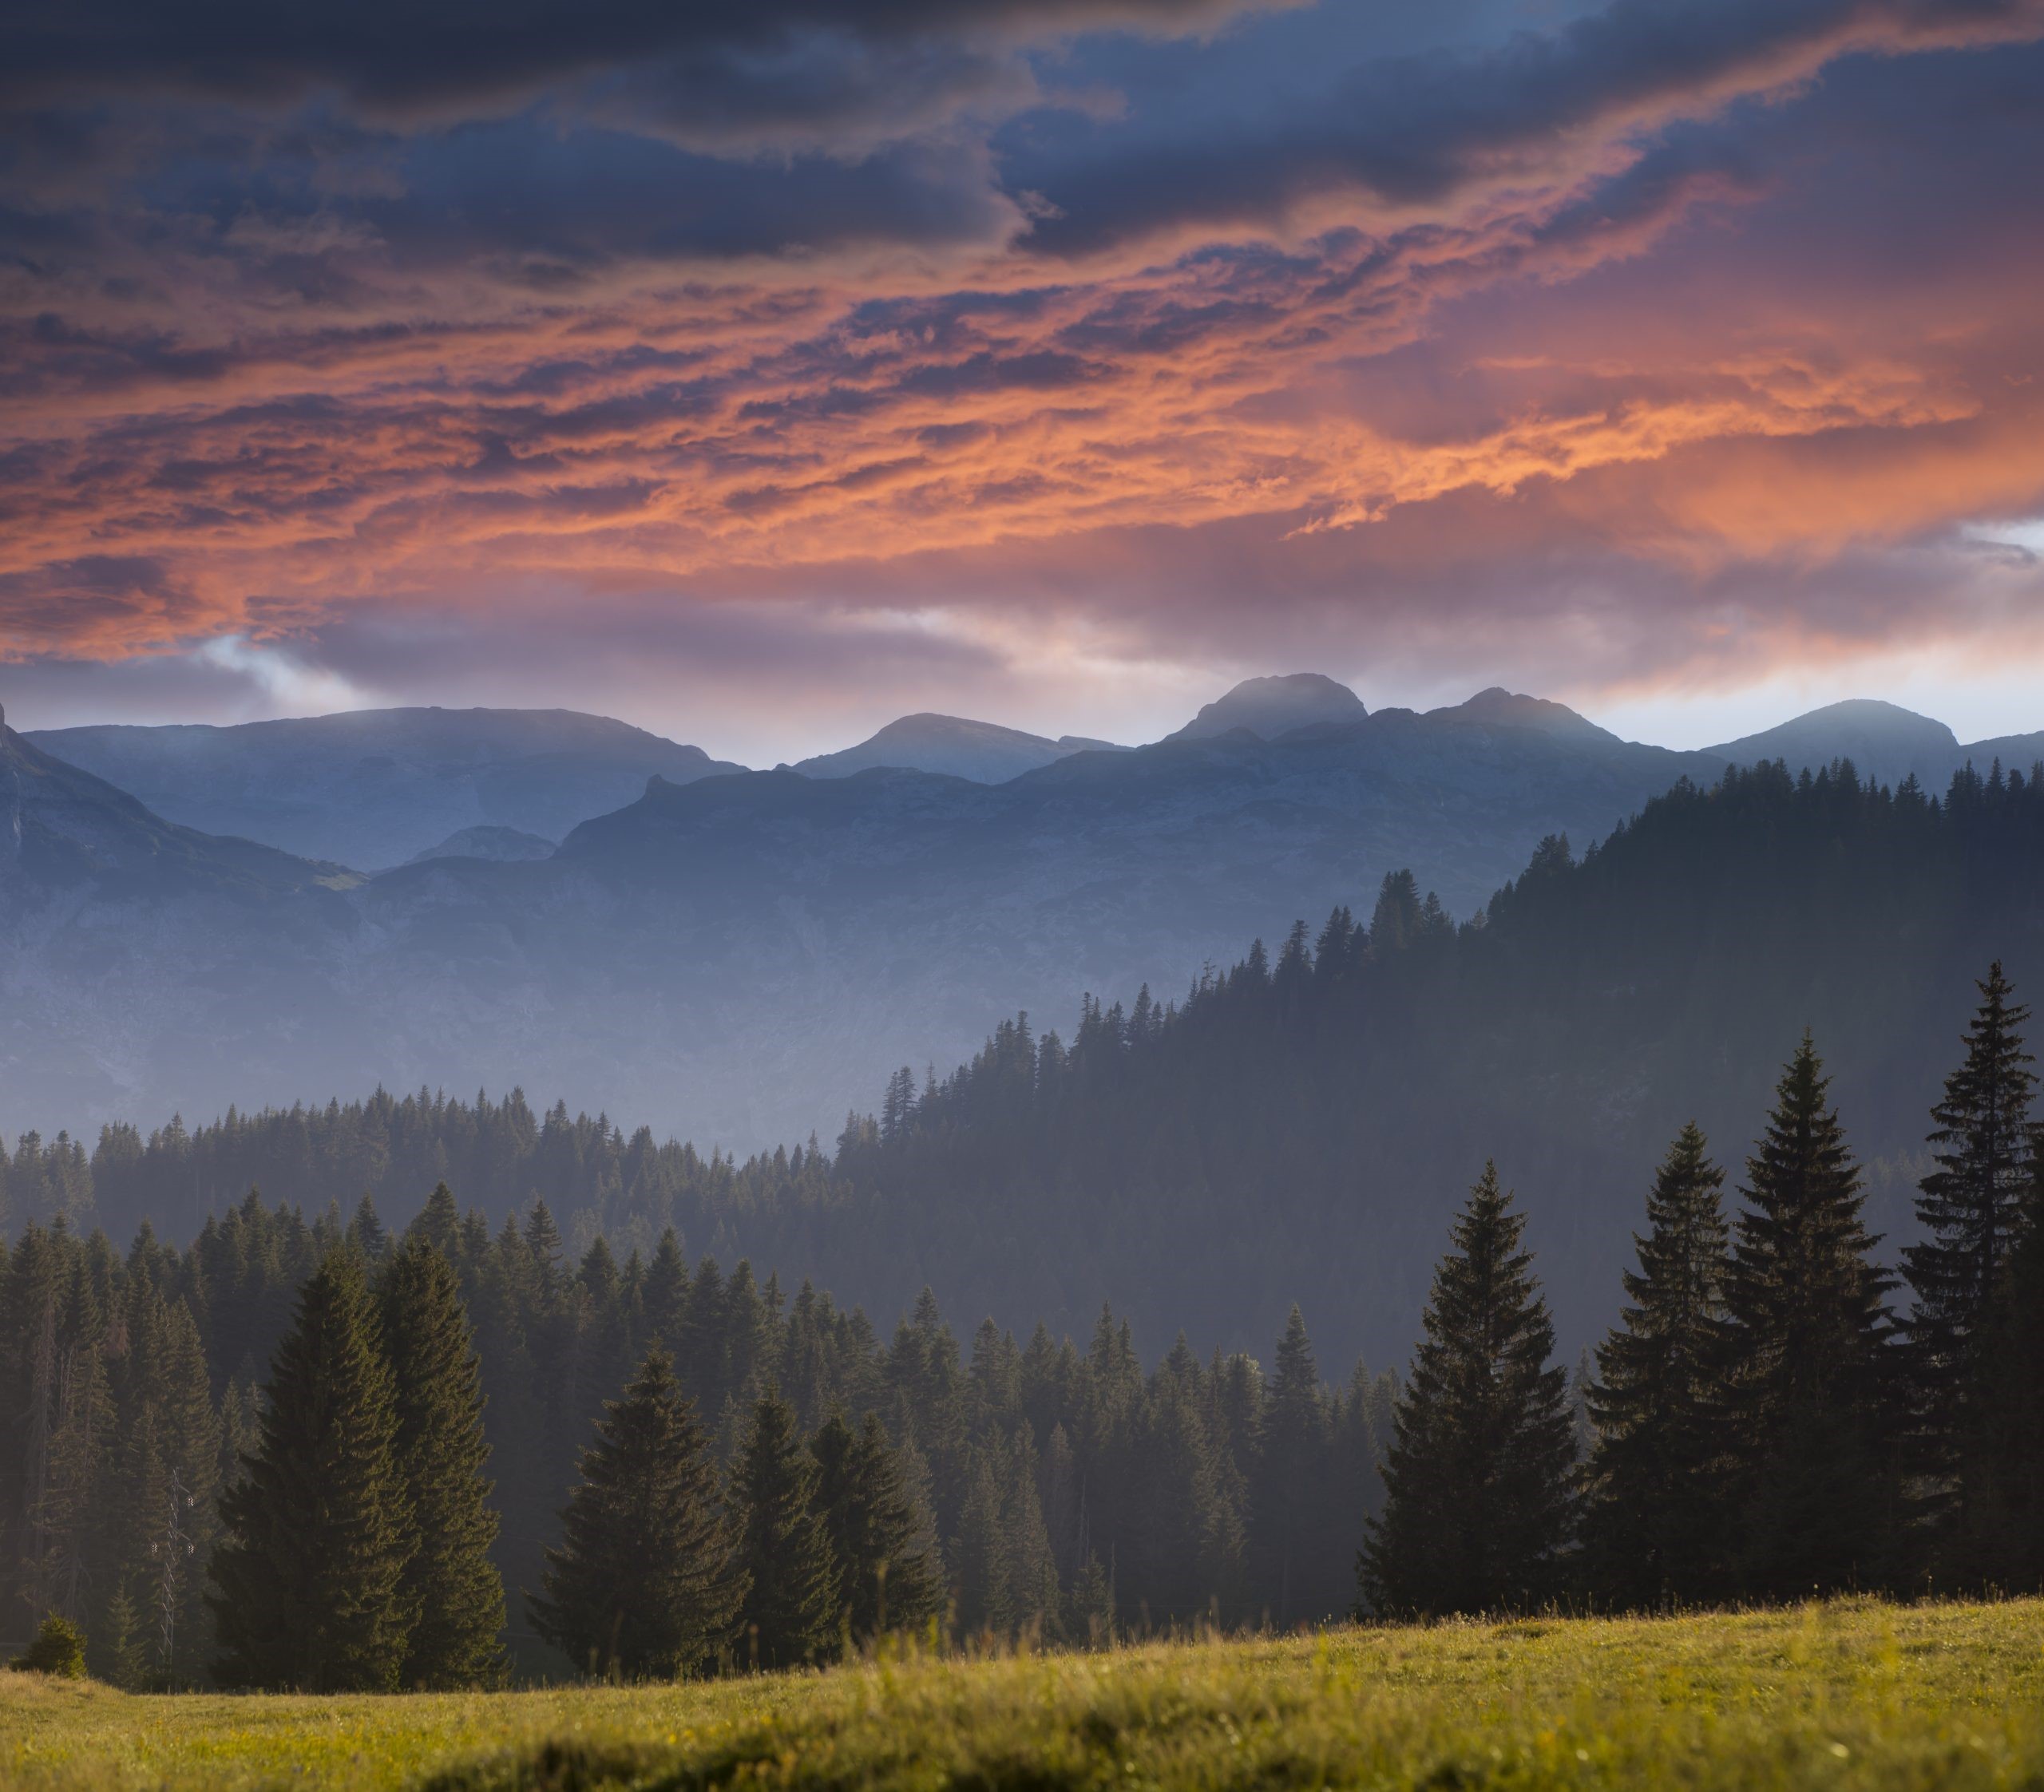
(1845, 1695)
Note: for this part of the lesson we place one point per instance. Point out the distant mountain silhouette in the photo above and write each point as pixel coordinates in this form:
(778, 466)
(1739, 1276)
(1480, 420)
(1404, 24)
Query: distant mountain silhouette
(506, 846)
(1269, 707)
(62, 829)
(732, 955)
(952, 746)
(372, 788)
(1884, 742)
(1498, 707)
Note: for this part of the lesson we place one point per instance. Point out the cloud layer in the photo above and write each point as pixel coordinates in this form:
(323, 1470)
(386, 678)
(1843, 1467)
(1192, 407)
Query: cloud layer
(1599, 349)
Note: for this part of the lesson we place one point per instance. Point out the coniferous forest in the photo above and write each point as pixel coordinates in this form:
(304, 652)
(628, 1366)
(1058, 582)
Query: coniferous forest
(1295, 1127)
(307, 1448)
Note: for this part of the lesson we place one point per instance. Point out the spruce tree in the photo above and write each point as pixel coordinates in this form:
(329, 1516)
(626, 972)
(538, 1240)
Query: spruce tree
(1289, 1496)
(2006, 1529)
(310, 1575)
(790, 1615)
(979, 1556)
(1653, 1523)
(441, 1454)
(1029, 1600)
(642, 1584)
(1477, 1480)
(439, 1221)
(1971, 1210)
(887, 1577)
(1814, 1406)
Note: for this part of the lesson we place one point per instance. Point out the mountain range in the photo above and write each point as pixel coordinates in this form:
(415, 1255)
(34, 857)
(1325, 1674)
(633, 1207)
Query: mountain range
(728, 953)
(372, 788)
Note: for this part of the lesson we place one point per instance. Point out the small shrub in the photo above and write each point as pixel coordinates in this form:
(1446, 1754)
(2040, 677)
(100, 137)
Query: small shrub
(59, 1648)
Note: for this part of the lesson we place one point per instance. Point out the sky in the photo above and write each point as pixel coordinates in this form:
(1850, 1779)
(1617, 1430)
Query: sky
(759, 373)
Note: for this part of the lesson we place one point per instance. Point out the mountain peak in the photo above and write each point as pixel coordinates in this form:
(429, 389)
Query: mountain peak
(1270, 706)
(1884, 741)
(1499, 708)
(954, 746)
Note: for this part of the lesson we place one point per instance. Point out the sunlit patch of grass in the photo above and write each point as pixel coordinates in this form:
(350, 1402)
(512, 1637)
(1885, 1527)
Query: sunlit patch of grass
(1844, 1695)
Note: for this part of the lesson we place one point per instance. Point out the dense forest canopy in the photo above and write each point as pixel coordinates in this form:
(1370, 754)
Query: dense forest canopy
(125, 1374)
(1298, 1125)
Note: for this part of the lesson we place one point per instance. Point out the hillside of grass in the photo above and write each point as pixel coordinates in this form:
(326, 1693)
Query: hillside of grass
(1847, 1694)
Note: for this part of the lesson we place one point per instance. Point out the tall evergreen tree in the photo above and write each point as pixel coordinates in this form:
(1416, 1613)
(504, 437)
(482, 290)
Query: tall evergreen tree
(642, 1584)
(1290, 1499)
(1654, 1520)
(1031, 1604)
(887, 1577)
(1477, 1480)
(1814, 1402)
(791, 1613)
(441, 1456)
(310, 1575)
(1971, 1210)
(2005, 1527)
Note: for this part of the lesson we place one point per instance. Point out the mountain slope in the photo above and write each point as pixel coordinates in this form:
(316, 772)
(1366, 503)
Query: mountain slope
(136, 955)
(1305, 1128)
(1302, 1127)
(952, 746)
(371, 787)
(730, 957)
(62, 829)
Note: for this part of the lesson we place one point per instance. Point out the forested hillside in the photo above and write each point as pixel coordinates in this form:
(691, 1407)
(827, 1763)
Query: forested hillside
(729, 958)
(1147, 1492)
(1300, 1125)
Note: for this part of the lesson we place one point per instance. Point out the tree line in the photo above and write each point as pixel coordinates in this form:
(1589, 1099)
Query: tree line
(416, 1457)
(1764, 1422)
(1288, 1127)
(679, 1472)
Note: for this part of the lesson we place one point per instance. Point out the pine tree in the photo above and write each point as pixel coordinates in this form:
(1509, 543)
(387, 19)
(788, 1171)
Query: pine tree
(439, 1222)
(887, 1576)
(2006, 1526)
(642, 1583)
(1477, 1506)
(170, 1477)
(441, 1456)
(309, 1575)
(1289, 1495)
(366, 1231)
(979, 1561)
(1654, 1520)
(790, 1615)
(124, 1646)
(1092, 1604)
(1029, 1603)
(1813, 1406)
(1971, 1210)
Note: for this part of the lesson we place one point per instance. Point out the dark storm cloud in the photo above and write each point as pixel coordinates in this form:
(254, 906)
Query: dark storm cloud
(1412, 129)
(585, 198)
(1390, 323)
(397, 55)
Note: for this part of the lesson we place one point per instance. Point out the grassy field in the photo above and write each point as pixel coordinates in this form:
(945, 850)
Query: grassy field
(1842, 1695)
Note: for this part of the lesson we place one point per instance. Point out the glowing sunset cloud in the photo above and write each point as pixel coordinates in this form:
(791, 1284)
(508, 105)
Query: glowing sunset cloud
(673, 365)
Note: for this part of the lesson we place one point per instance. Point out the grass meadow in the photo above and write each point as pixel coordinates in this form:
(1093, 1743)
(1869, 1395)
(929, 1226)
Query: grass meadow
(1843, 1694)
